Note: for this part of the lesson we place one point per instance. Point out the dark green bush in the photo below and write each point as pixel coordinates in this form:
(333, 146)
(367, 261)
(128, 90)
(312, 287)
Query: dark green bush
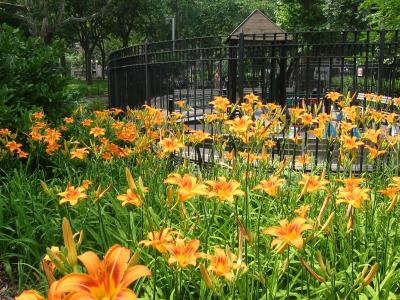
(30, 78)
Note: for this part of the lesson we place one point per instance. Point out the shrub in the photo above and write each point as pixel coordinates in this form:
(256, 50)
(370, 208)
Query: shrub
(30, 77)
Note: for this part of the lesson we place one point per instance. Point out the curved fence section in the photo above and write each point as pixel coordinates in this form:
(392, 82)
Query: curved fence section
(286, 68)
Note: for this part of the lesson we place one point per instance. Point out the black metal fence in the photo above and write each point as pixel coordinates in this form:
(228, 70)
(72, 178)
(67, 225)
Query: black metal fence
(288, 69)
(283, 68)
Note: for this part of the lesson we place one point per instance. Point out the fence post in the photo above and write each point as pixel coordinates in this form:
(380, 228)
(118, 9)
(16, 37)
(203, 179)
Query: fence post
(146, 73)
(171, 104)
(381, 58)
(241, 66)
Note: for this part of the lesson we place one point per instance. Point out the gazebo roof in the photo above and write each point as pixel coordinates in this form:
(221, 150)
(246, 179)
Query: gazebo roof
(258, 27)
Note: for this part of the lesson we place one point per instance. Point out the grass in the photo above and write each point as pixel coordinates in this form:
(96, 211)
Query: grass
(335, 261)
(97, 88)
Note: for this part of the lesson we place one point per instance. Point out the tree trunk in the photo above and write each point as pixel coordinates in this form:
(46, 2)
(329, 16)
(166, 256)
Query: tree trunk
(88, 66)
(63, 63)
(125, 40)
(103, 64)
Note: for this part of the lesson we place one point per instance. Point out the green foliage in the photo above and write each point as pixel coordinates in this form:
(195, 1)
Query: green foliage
(29, 77)
(383, 13)
(97, 88)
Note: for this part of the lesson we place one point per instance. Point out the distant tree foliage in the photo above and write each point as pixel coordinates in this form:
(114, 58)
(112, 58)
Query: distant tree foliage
(100, 26)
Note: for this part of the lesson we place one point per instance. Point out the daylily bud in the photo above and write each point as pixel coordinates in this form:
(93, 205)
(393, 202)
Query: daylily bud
(47, 272)
(170, 195)
(45, 188)
(134, 259)
(323, 208)
(392, 203)
(371, 275)
(129, 178)
(328, 221)
(69, 242)
(311, 271)
(206, 276)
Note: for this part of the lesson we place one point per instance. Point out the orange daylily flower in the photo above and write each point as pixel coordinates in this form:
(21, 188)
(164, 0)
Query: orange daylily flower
(318, 132)
(224, 190)
(270, 143)
(251, 98)
(5, 131)
(38, 115)
(396, 180)
(87, 122)
(354, 197)
(313, 183)
(240, 125)
(97, 131)
(107, 279)
(13, 146)
(270, 186)
(170, 145)
(86, 183)
(51, 136)
(51, 148)
(72, 195)
(346, 126)
(393, 194)
(30, 295)
(184, 254)
(223, 263)
(350, 143)
(159, 239)
(79, 153)
(390, 192)
(372, 135)
(198, 136)
(130, 197)
(374, 153)
(180, 103)
(303, 159)
(247, 108)
(188, 186)
(220, 104)
(322, 118)
(117, 125)
(295, 113)
(351, 183)
(69, 120)
(22, 154)
(307, 119)
(288, 233)
(302, 211)
(391, 118)
(333, 96)
(106, 156)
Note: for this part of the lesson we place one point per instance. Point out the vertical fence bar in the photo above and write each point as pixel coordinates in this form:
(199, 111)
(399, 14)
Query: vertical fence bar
(241, 66)
(146, 58)
(381, 58)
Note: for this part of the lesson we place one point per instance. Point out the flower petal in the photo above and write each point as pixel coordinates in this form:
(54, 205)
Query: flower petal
(116, 260)
(75, 283)
(125, 294)
(91, 261)
(134, 273)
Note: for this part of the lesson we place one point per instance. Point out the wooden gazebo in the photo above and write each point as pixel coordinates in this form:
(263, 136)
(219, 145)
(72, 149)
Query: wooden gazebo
(258, 29)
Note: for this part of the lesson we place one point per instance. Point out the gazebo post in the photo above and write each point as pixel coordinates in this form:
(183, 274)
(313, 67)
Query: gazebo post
(282, 77)
(232, 71)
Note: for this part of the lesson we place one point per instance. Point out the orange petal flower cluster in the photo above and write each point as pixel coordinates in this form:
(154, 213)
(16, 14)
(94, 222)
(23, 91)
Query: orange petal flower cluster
(160, 239)
(72, 195)
(224, 190)
(270, 186)
(288, 233)
(188, 186)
